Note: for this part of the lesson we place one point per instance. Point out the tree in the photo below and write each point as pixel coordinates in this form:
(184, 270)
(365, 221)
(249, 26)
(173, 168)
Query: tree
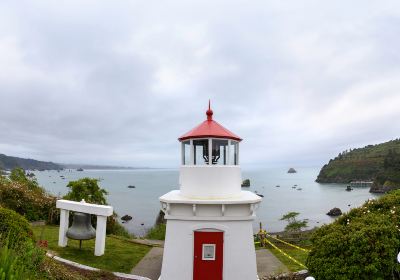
(87, 189)
(293, 224)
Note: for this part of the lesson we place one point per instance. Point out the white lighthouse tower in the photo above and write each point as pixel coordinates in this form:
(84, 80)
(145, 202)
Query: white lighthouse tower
(209, 219)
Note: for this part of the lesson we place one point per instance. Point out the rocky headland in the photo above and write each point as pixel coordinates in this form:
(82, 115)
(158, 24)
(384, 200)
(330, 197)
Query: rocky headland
(378, 163)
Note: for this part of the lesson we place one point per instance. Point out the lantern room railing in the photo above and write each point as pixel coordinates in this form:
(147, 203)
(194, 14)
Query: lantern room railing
(198, 152)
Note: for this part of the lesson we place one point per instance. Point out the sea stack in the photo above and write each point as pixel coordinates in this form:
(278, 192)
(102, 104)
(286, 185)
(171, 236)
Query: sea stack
(292, 170)
(334, 212)
(209, 219)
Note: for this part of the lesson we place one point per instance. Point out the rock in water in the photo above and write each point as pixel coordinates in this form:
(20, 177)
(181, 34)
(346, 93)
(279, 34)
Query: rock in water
(386, 187)
(292, 170)
(161, 218)
(334, 212)
(131, 187)
(246, 183)
(126, 218)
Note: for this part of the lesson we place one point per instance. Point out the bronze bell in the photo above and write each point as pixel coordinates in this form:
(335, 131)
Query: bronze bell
(81, 228)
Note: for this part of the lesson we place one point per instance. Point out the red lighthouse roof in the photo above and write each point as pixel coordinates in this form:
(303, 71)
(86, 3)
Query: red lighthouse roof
(209, 128)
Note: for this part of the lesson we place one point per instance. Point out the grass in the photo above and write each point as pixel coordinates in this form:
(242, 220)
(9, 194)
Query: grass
(120, 255)
(299, 255)
(157, 232)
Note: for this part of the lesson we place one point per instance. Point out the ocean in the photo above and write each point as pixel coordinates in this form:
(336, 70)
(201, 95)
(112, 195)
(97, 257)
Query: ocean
(313, 201)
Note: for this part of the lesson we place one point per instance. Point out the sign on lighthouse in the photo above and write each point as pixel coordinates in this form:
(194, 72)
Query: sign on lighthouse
(209, 219)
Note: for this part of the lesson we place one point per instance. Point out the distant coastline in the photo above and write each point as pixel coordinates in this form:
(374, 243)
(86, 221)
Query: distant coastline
(11, 162)
(99, 167)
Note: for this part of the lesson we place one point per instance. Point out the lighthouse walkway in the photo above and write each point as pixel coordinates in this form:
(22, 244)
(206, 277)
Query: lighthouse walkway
(268, 264)
(150, 265)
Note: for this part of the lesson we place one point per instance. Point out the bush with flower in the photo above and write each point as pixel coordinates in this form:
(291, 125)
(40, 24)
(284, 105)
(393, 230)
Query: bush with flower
(362, 244)
(27, 198)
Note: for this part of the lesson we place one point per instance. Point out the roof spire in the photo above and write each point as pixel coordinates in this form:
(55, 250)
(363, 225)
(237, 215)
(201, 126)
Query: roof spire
(209, 112)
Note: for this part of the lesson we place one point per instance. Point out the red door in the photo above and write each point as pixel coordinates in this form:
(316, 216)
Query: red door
(208, 255)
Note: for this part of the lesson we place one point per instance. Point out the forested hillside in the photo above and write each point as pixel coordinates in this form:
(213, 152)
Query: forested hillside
(8, 163)
(379, 163)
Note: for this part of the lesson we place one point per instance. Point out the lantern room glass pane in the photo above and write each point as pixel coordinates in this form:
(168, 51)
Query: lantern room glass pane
(219, 151)
(234, 153)
(186, 153)
(200, 149)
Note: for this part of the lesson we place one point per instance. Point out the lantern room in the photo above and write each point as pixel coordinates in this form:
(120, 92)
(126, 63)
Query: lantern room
(210, 161)
(210, 144)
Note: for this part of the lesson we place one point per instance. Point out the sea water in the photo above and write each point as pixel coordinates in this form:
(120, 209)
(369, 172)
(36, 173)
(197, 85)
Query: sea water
(297, 192)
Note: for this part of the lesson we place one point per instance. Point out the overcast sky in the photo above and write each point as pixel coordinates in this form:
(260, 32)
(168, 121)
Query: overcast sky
(117, 82)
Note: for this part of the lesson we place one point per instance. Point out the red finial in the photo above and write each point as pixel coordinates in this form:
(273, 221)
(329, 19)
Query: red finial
(209, 112)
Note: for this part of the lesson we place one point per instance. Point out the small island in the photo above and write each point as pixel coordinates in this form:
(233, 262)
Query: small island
(246, 183)
(292, 170)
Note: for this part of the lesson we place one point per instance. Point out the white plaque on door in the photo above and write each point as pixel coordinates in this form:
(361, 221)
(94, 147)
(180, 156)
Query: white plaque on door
(208, 252)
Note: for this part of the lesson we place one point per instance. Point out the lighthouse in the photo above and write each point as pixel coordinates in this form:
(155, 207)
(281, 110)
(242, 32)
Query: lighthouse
(209, 233)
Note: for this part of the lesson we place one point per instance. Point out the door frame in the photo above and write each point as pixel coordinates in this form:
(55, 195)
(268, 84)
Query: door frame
(210, 228)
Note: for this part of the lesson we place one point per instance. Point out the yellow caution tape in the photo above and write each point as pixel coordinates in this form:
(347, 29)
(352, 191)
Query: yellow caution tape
(287, 243)
(283, 253)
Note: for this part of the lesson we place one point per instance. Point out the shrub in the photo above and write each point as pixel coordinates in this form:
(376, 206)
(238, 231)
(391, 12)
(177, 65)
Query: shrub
(33, 203)
(362, 244)
(15, 227)
(114, 227)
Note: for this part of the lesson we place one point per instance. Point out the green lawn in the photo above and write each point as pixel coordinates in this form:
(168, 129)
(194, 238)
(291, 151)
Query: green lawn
(157, 232)
(299, 255)
(120, 255)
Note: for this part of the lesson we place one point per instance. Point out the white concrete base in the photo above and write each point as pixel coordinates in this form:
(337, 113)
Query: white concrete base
(239, 253)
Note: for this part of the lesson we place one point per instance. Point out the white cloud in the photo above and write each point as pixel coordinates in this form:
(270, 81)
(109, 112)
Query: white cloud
(118, 82)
